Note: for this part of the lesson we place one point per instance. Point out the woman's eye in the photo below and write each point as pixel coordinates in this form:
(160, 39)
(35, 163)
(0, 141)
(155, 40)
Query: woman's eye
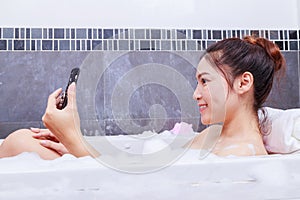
(203, 81)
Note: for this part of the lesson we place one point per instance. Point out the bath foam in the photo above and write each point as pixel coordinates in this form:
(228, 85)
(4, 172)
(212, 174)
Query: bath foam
(27, 176)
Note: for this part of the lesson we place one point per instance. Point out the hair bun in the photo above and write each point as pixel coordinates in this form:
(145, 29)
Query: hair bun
(271, 49)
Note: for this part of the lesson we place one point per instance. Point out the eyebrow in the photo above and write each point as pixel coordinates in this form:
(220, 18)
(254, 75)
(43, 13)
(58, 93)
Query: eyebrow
(202, 74)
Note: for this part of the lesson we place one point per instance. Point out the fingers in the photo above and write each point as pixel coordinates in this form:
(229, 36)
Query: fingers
(44, 134)
(58, 147)
(51, 105)
(52, 100)
(60, 98)
(35, 130)
(72, 96)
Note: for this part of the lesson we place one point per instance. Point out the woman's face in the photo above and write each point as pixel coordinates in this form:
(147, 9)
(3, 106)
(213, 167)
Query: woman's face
(210, 93)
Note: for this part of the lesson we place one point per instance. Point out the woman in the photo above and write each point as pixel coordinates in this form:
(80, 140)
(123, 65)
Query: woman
(234, 79)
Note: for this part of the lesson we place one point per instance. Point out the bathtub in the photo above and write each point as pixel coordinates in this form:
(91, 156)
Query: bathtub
(190, 176)
(156, 166)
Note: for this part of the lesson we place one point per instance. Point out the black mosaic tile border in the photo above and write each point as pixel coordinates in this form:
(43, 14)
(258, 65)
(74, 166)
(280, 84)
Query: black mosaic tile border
(98, 39)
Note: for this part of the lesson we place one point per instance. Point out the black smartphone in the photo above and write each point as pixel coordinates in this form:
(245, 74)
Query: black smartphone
(64, 95)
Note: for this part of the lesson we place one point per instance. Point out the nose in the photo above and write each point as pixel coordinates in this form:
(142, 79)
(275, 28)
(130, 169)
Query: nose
(197, 93)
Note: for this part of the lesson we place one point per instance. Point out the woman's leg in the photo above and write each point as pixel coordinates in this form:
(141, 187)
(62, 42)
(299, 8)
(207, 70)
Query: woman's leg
(22, 141)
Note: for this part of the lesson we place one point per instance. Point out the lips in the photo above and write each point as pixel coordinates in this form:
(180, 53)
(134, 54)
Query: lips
(202, 107)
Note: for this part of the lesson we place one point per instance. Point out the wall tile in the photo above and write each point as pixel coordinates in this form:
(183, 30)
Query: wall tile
(47, 45)
(19, 45)
(139, 34)
(108, 33)
(36, 33)
(3, 44)
(64, 45)
(8, 33)
(155, 33)
(59, 33)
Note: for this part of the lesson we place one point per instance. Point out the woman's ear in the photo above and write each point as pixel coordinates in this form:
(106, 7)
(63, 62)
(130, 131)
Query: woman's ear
(243, 83)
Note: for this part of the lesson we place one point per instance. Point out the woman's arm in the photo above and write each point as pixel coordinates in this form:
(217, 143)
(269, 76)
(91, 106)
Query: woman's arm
(65, 124)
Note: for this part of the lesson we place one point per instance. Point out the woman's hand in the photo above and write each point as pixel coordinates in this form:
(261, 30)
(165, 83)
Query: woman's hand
(65, 123)
(49, 140)
(43, 134)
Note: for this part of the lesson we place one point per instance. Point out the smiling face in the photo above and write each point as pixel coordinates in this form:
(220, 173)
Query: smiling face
(211, 92)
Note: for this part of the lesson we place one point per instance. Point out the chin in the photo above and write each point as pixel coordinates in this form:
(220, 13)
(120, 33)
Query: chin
(205, 122)
(209, 122)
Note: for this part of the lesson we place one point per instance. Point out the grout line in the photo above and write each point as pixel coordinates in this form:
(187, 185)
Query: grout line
(113, 42)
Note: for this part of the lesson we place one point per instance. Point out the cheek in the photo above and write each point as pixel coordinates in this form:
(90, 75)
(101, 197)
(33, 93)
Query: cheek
(218, 93)
(218, 102)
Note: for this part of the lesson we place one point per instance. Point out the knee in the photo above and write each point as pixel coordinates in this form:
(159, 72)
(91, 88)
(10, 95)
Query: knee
(15, 143)
(20, 132)
(18, 136)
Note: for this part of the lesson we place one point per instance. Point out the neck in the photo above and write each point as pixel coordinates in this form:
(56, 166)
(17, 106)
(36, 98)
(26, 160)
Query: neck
(242, 123)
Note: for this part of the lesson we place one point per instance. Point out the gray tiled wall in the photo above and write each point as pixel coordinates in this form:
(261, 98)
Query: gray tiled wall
(131, 79)
(91, 39)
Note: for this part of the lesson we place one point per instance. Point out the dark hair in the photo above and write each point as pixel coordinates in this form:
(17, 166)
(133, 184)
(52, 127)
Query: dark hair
(258, 56)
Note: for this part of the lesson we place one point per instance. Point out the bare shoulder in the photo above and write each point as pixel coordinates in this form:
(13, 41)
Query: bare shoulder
(207, 137)
(241, 149)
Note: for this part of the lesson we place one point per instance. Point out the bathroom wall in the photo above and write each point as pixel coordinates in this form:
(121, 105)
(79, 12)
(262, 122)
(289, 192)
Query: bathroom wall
(212, 14)
(137, 68)
(298, 11)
